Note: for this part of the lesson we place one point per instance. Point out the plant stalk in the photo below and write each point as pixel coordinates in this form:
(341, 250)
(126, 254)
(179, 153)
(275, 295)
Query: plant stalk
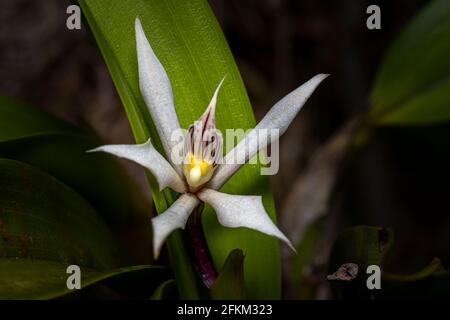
(196, 238)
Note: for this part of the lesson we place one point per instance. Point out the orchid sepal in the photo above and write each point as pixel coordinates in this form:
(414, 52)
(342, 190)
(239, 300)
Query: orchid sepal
(278, 119)
(175, 217)
(234, 211)
(148, 157)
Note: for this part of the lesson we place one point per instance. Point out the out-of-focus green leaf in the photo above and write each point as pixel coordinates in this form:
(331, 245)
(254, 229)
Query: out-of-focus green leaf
(44, 227)
(230, 284)
(413, 84)
(188, 41)
(363, 246)
(432, 282)
(299, 265)
(41, 218)
(368, 246)
(42, 279)
(18, 120)
(34, 137)
(395, 279)
(165, 290)
(95, 176)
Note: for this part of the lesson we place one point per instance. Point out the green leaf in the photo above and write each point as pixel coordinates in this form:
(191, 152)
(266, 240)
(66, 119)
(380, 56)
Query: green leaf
(395, 279)
(363, 246)
(165, 290)
(42, 279)
(188, 41)
(230, 284)
(413, 83)
(430, 283)
(34, 137)
(42, 219)
(95, 176)
(18, 119)
(369, 246)
(44, 227)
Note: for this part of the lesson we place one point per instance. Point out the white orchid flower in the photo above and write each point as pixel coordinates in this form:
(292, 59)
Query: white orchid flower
(201, 174)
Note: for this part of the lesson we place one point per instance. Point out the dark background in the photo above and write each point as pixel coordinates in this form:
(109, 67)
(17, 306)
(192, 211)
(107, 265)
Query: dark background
(400, 180)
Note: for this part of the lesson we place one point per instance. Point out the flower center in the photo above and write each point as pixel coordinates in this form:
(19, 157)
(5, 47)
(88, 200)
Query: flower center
(197, 171)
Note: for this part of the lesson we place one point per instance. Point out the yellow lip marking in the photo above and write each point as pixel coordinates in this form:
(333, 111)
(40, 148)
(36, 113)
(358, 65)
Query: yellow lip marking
(197, 171)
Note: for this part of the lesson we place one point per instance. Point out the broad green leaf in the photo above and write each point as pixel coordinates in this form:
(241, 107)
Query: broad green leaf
(95, 176)
(363, 246)
(230, 284)
(413, 84)
(17, 120)
(165, 290)
(42, 219)
(188, 41)
(42, 279)
(33, 136)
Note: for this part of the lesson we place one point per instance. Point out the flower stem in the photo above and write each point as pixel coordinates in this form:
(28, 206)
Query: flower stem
(196, 238)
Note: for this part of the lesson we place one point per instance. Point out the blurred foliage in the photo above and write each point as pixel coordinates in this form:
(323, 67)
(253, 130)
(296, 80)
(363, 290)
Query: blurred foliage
(412, 88)
(394, 280)
(365, 246)
(165, 291)
(432, 282)
(43, 219)
(44, 279)
(45, 225)
(413, 83)
(19, 120)
(56, 147)
(301, 273)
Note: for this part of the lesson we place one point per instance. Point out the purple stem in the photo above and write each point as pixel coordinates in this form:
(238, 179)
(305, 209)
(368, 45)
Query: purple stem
(196, 237)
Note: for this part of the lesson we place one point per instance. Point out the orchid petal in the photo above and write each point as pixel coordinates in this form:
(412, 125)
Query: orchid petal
(147, 156)
(173, 218)
(278, 118)
(202, 147)
(157, 92)
(200, 133)
(213, 151)
(211, 109)
(235, 211)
